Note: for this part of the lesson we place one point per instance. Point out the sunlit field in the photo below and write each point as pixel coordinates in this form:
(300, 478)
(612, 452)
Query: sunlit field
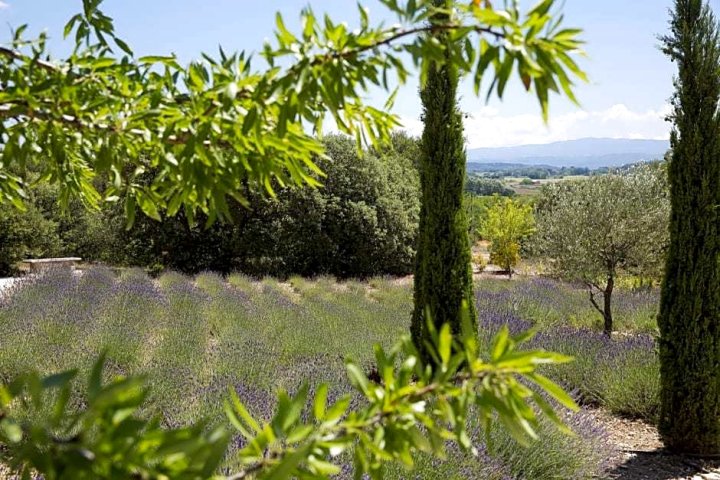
(197, 337)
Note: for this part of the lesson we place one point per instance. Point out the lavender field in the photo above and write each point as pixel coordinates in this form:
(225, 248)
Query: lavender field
(196, 337)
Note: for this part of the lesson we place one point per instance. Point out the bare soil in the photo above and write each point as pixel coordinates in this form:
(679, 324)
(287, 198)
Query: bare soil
(640, 454)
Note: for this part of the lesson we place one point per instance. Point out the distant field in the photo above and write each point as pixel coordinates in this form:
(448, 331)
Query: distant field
(197, 337)
(515, 183)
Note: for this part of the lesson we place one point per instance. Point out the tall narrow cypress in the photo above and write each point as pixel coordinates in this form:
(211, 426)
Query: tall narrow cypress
(443, 274)
(689, 318)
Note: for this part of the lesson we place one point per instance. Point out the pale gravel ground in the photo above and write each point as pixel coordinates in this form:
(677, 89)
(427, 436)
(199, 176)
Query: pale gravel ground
(6, 283)
(641, 455)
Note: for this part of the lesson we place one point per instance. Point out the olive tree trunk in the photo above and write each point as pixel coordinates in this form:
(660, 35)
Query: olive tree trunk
(606, 309)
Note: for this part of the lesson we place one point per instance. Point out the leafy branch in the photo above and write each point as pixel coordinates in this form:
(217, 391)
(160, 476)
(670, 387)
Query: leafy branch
(414, 408)
(206, 132)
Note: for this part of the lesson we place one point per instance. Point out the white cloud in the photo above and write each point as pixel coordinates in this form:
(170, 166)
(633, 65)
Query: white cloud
(4, 4)
(488, 128)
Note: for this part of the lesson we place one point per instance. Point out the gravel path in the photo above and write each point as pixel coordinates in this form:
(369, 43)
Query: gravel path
(6, 283)
(641, 455)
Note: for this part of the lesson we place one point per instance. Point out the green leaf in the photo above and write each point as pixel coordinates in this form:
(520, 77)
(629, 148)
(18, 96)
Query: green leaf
(338, 409)
(284, 36)
(322, 467)
(95, 380)
(59, 380)
(357, 377)
(503, 75)
(445, 344)
(549, 412)
(235, 421)
(288, 465)
(242, 411)
(70, 25)
(299, 433)
(130, 210)
(147, 205)
(320, 402)
(555, 390)
(11, 430)
(250, 120)
(500, 343)
(123, 46)
(164, 59)
(541, 8)
(5, 396)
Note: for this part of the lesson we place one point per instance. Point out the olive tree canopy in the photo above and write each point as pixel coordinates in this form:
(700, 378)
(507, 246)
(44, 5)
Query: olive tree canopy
(594, 229)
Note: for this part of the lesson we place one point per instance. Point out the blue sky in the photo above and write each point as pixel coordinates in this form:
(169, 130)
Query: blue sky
(630, 79)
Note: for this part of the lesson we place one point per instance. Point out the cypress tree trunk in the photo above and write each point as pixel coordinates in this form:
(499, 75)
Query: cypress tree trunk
(443, 272)
(689, 318)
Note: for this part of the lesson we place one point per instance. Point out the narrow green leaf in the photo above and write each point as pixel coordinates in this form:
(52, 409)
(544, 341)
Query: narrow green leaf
(320, 402)
(95, 380)
(555, 390)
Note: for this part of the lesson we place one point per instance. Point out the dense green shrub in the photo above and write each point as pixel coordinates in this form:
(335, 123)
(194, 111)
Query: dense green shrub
(362, 222)
(483, 186)
(508, 223)
(173, 243)
(25, 234)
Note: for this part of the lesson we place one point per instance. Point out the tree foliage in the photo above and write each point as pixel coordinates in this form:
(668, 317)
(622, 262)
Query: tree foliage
(689, 318)
(443, 270)
(482, 186)
(508, 223)
(208, 130)
(593, 229)
(362, 222)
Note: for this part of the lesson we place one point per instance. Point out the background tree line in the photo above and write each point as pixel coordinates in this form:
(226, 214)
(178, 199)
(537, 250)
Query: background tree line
(361, 222)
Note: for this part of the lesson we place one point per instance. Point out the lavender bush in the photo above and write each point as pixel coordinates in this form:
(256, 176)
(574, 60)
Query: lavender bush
(619, 373)
(196, 338)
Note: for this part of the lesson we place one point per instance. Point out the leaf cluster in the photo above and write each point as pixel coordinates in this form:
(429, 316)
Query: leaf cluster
(595, 228)
(210, 131)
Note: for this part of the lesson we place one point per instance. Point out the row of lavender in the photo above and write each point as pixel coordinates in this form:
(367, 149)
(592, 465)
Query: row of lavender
(195, 338)
(619, 373)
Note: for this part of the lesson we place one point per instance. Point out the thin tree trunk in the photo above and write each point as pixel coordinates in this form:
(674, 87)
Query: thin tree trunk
(607, 306)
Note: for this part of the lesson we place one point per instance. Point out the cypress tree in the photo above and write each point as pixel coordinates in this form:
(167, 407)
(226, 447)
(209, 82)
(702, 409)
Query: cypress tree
(689, 318)
(443, 274)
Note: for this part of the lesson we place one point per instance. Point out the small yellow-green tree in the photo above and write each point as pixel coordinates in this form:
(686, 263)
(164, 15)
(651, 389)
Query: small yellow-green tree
(507, 224)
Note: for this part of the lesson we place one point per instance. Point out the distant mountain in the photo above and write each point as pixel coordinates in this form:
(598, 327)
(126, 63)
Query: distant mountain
(584, 152)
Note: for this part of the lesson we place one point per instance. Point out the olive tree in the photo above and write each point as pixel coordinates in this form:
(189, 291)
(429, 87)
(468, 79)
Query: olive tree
(593, 229)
